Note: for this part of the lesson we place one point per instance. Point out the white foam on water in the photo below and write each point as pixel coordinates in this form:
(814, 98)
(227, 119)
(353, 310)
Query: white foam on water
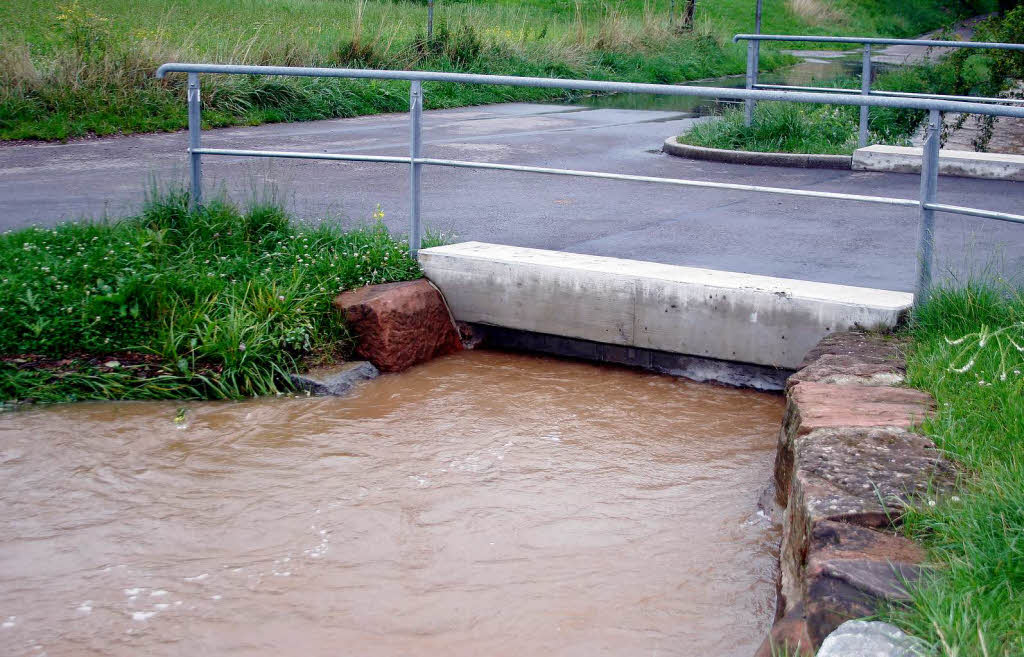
(158, 593)
(142, 615)
(133, 591)
(161, 606)
(9, 622)
(216, 597)
(197, 578)
(85, 607)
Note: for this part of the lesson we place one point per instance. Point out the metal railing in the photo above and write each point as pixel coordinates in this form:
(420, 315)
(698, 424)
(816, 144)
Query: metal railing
(754, 59)
(926, 205)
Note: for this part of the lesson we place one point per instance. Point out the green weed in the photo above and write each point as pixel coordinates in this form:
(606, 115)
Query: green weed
(968, 351)
(831, 129)
(85, 66)
(229, 301)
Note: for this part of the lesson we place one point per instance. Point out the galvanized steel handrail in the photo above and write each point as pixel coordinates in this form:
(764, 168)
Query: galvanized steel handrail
(494, 166)
(754, 59)
(929, 170)
(587, 85)
(894, 94)
(929, 43)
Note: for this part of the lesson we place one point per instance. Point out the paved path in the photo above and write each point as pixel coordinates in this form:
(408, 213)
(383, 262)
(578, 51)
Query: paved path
(822, 240)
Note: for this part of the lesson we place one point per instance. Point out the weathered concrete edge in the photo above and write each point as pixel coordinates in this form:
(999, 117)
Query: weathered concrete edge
(797, 160)
(698, 312)
(695, 368)
(964, 164)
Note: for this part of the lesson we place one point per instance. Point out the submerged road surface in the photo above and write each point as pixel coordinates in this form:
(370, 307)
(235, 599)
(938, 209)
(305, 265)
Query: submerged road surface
(822, 240)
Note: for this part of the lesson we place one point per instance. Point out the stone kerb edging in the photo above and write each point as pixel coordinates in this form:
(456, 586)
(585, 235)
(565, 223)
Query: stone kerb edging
(848, 464)
(799, 160)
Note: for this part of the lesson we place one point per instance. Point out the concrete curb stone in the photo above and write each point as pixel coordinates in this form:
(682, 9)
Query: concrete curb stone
(798, 160)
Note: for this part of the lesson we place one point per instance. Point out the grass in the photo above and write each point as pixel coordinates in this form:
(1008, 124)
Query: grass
(84, 67)
(218, 303)
(830, 129)
(968, 351)
(802, 128)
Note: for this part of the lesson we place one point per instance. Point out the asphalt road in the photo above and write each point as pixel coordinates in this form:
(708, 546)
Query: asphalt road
(832, 241)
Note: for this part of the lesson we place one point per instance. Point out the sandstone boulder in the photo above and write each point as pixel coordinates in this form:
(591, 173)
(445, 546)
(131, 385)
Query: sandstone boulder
(859, 346)
(850, 370)
(863, 476)
(788, 637)
(850, 571)
(399, 324)
(811, 406)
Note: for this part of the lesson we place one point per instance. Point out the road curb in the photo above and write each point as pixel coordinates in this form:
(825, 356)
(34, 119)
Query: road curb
(799, 160)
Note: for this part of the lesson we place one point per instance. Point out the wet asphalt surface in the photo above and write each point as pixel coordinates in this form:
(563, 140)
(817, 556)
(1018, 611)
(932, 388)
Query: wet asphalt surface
(815, 239)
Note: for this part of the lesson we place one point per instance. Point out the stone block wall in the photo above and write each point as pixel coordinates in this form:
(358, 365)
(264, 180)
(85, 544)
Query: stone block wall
(849, 462)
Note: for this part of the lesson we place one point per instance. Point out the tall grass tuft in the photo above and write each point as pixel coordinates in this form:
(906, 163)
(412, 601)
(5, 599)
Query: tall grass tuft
(817, 12)
(85, 67)
(968, 351)
(226, 301)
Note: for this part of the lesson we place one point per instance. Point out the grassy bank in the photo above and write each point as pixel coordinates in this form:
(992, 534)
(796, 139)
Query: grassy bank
(85, 66)
(802, 128)
(178, 304)
(968, 351)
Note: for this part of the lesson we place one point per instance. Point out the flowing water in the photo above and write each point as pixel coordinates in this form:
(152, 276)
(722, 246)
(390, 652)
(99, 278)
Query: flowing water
(482, 504)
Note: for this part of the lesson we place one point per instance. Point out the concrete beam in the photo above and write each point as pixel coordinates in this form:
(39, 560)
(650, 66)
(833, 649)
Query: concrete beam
(967, 164)
(683, 310)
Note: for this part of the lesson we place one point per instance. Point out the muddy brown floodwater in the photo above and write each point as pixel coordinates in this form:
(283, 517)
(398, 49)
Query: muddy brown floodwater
(482, 504)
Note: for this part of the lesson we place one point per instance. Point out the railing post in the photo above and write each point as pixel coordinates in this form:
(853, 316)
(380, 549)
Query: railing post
(415, 169)
(194, 131)
(865, 90)
(430, 20)
(752, 55)
(929, 185)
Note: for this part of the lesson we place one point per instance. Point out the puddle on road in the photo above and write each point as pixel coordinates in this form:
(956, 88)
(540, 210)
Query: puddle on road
(482, 504)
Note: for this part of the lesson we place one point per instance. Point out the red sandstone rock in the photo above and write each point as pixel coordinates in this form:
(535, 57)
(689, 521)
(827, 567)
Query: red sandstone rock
(858, 346)
(831, 541)
(857, 475)
(811, 406)
(399, 324)
(838, 591)
(788, 637)
(821, 405)
(852, 570)
(850, 370)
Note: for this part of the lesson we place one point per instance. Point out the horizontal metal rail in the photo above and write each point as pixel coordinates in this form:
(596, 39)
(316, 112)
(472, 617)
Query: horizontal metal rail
(595, 85)
(925, 43)
(894, 94)
(881, 200)
(298, 155)
(929, 170)
(975, 212)
(464, 164)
